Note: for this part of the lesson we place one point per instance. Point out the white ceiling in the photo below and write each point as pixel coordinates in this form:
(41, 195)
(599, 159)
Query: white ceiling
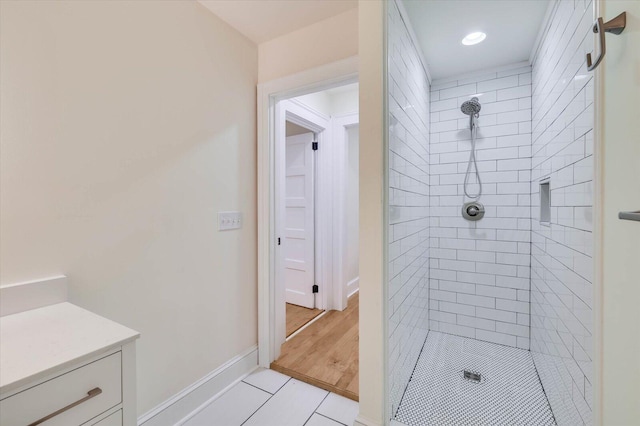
(511, 26)
(264, 20)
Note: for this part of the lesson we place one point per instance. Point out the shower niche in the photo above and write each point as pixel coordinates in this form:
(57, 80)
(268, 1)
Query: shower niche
(545, 202)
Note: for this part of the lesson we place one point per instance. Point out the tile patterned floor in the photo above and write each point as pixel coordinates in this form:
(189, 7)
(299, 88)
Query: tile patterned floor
(268, 398)
(509, 392)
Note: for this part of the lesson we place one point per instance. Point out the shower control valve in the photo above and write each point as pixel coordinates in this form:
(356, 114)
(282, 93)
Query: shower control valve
(473, 211)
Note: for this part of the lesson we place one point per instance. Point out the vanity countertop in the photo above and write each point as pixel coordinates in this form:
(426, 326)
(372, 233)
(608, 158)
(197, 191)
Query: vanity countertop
(36, 342)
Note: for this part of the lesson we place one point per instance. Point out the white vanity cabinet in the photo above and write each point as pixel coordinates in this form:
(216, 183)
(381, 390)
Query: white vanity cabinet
(63, 365)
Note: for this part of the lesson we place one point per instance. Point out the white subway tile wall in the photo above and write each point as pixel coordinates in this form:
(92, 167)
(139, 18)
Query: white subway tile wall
(562, 266)
(479, 271)
(408, 173)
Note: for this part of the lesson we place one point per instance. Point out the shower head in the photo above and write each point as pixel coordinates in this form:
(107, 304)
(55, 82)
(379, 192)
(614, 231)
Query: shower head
(471, 107)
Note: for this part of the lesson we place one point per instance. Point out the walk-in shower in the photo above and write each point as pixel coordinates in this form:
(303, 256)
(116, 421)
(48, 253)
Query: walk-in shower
(490, 310)
(472, 210)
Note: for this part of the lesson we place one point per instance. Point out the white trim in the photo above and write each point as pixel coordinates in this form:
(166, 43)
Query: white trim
(213, 398)
(129, 384)
(340, 125)
(323, 77)
(544, 26)
(482, 72)
(362, 421)
(414, 38)
(351, 284)
(312, 111)
(386, 409)
(196, 396)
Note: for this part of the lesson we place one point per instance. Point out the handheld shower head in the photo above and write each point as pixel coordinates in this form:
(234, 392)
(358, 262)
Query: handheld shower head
(471, 107)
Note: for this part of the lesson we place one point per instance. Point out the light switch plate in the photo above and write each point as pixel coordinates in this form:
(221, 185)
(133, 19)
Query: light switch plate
(229, 220)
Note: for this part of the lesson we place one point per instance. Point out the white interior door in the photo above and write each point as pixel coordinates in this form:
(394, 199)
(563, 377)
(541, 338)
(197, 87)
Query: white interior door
(299, 253)
(619, 242)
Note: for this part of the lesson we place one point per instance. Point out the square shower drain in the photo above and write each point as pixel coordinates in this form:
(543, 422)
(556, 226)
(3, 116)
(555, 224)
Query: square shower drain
(472, 376)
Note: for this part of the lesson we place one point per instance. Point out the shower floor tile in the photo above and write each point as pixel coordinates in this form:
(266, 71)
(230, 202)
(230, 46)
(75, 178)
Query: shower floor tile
(509, 391)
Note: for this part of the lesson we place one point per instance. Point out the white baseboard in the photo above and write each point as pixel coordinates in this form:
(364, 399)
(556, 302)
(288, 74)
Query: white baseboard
(192, 399)
(353, 286)
(362, 421)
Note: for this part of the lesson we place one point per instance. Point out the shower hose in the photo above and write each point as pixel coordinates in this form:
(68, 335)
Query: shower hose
(472, 160)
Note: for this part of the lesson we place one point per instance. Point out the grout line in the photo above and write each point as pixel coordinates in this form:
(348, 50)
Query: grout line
(535, 367)
(314, 410)
(327, 417)
(268, 399)
(259, 388)
(410, 377)
(283, 384)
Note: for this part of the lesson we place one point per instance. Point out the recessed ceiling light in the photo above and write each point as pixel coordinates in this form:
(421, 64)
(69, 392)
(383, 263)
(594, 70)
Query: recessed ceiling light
(474, 38)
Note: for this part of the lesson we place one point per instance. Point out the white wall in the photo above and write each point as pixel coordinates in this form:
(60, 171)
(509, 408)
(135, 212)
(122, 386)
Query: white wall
(341, 100)
(318, 101)
(324, 42)
(123, 134)
(353, 206)
(479, 273)
(408, 227)
(562, 264)
(617, 158)
(345, 101)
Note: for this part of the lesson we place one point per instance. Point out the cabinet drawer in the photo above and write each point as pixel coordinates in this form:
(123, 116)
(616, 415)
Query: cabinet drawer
(46, 398)
(114, 419)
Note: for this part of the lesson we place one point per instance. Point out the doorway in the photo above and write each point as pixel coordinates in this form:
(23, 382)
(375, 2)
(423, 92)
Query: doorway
(316, 211)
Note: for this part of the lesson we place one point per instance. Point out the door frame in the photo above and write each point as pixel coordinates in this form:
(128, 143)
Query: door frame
(269, 94)
(340, 124)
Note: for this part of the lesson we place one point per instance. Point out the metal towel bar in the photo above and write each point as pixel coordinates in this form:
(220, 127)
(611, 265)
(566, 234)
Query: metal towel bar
(629, 215)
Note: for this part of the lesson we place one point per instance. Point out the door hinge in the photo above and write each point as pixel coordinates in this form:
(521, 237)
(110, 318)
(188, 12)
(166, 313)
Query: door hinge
(278, 240)
(315, 288)
(314, 146)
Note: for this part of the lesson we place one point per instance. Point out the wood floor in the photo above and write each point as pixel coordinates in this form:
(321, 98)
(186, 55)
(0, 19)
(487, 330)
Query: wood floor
(298, 316)
(325, 354)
